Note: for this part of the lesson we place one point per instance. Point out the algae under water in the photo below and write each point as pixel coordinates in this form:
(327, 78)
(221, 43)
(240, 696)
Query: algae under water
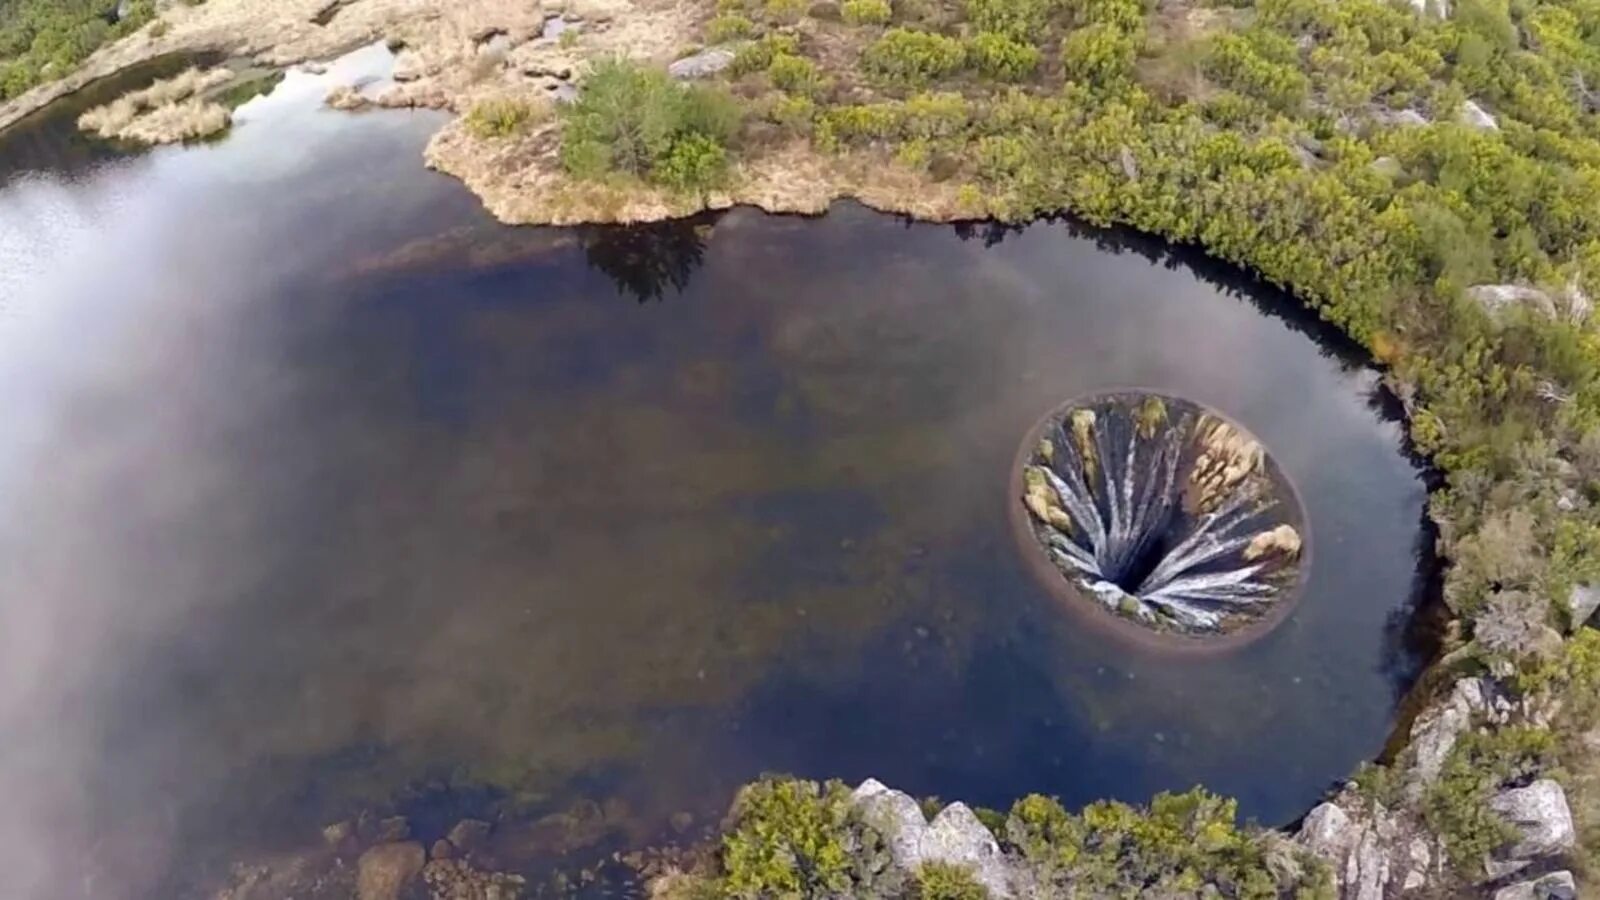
(323, 492)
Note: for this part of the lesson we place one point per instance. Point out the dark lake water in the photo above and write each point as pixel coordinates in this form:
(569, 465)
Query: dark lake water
(322, 492)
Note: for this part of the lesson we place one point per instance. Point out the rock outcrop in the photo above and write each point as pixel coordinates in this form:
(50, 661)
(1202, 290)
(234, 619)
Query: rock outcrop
(1374, 853)
(1434, 733)
(955, 836)
(1543, 821)
(1554, 886)
(1582, 603)
(1497, 298)
(1475, 116)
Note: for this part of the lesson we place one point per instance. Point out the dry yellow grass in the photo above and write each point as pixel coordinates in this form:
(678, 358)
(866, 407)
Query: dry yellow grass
(170, 110)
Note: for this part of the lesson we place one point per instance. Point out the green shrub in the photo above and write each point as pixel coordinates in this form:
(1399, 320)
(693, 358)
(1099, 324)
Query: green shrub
(1001, 57)
(914, 57)
(1099, 54)
(795, 74)
(1272, 76)
(863, 122)
(757, 56)
(867, 12)
(796, 113)
(692, 163)
(634, 120)
(729, 27)
(946, 881)
(1457, 805)
(1127, 15)
(45, 39)
(499, 117)
(788, 840)
(1018, 19)
(935, 115)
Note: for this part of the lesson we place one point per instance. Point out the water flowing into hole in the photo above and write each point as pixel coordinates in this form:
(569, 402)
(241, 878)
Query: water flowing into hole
(1165, 513)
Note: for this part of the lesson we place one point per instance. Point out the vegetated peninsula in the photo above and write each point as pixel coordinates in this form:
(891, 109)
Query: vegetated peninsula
(1427, 177)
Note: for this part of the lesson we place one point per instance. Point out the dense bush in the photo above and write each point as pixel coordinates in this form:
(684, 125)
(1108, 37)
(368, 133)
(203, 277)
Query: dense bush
(1182, 842)
(866, 12)
(1019, 19)
(729, 27)
(795, 74)
(1457, 806)
(1001, 57)
(757, 56)
(45, 39)
(789, 839)
(1099, 54)
(911, 57)
(636, 121)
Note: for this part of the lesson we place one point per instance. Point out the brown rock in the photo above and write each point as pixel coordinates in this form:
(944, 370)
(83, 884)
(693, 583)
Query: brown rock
(442, 849)
(384, 871)
(468, 834)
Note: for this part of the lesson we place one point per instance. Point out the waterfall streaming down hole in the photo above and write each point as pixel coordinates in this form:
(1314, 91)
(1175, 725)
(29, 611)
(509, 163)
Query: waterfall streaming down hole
(1164, 513)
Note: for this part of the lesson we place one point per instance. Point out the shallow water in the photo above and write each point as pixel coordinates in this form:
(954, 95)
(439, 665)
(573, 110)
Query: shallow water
(325, 493)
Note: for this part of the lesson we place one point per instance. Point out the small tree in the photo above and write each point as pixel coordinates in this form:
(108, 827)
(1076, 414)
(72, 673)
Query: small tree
(638, 121)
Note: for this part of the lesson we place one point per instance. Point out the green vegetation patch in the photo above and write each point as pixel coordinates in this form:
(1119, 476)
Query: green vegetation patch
(635, 121)
(501, 117)
(1457, 805)
(41, 40)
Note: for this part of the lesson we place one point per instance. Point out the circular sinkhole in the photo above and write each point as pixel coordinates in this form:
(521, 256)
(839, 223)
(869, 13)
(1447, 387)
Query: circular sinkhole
(1166, 519)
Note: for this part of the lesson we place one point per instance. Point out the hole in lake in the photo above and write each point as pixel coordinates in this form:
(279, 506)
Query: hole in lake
(326, 494)
(1161, 513)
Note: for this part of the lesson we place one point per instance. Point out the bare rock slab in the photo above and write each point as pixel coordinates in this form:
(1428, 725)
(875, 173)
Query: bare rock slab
(1543, 820)
(703, 64)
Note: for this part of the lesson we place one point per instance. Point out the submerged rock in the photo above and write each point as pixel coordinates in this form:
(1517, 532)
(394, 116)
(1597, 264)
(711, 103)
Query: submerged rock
(383, 871)
(454, 879)
(468, 834)
(955, 836)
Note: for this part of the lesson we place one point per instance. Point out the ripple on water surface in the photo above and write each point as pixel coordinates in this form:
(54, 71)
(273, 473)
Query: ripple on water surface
(321, 485)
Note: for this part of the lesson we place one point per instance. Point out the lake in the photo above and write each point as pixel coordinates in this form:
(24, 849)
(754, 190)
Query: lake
(325, 493)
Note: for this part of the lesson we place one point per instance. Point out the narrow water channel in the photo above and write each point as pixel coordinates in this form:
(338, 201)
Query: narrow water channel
(322, 492)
